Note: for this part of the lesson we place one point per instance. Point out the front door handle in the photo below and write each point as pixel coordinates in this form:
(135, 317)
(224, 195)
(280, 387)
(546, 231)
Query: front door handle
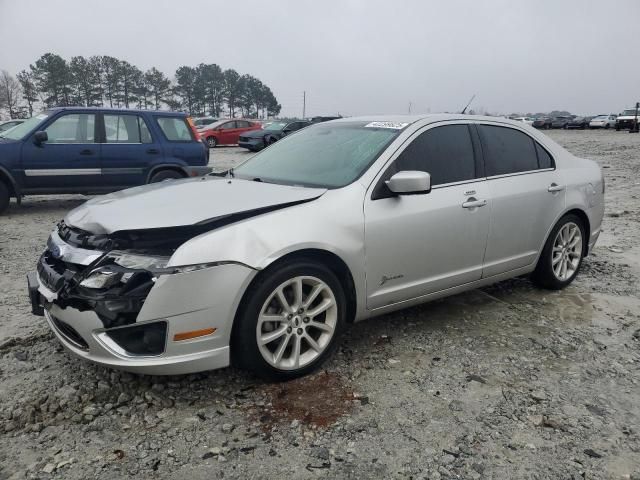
(86, 152)
(554, 187)
(153, 151)
(473, 203)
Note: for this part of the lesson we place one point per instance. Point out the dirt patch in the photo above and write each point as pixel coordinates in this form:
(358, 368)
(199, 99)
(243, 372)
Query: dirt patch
(317, 401)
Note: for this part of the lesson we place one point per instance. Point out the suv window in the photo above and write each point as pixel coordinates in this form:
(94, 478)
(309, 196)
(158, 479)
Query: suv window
(175, 129)
(446, 153)
(72, 128)
(126, 129)
(507, 150)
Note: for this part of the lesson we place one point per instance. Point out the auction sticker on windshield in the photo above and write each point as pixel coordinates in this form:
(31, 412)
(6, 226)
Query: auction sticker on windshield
(392, 125)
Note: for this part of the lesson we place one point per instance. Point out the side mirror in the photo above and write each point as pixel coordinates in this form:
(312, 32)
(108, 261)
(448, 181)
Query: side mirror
(40, 137)
(409, 182)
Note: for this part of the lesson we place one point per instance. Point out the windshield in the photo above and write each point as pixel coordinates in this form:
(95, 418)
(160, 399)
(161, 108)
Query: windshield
(631, 112)
(329, 155)
(19, 131)
(601, 117)
(275, 126)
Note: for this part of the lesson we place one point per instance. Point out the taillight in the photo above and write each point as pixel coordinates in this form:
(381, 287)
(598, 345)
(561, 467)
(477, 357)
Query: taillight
(193, 128)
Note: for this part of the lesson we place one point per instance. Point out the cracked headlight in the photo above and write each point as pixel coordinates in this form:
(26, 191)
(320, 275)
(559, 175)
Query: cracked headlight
(137, 261)
(101, 278)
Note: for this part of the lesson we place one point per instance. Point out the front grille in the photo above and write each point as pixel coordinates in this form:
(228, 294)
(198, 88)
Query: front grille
(243, 139)
(54, 272)
(70, 333)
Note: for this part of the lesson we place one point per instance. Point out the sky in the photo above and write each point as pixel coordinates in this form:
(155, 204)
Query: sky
(359, 57)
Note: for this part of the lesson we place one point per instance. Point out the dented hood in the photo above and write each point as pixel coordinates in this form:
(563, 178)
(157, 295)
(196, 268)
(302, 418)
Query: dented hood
(177, 203)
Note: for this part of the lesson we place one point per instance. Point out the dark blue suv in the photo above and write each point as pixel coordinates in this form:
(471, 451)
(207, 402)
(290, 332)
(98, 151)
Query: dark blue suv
(97, 150)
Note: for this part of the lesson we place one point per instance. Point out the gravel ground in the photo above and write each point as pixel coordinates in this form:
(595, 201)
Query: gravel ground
(506, 382)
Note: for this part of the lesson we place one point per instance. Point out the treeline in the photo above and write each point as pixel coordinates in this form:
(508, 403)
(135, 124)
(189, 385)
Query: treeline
(96, 81)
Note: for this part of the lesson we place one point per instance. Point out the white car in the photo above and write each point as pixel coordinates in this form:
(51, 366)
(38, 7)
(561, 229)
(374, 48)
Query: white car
(603, 121)
(527, 120)
(338, 222)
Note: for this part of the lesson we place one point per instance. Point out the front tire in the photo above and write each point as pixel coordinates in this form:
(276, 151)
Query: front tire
(212, 142)
(562, 255)
(290, 321)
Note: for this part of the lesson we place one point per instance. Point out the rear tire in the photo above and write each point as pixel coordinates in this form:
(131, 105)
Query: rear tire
(562, 255)
(165, 175)
(5, 197)
(294, 325)
(212, 142)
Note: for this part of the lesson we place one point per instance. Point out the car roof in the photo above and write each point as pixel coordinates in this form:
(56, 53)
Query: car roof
(117, 110)
(430, 118)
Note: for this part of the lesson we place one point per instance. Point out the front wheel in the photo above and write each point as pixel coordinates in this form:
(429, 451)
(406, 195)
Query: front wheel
(290, 322)
(562, 255)
(212, 142)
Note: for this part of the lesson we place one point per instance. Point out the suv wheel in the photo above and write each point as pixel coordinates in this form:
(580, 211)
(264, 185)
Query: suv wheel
(5, 197)
(212, 142)
(562, 255)
(291, 321)
(165, 175)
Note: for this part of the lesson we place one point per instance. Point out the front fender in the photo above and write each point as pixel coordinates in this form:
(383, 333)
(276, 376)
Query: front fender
(333, 223)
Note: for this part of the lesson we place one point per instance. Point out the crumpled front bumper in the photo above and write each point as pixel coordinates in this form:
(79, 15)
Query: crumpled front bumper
(200, 300)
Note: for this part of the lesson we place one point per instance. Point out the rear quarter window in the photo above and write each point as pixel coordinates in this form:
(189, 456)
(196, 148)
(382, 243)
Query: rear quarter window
(175, 129)
(507, 150)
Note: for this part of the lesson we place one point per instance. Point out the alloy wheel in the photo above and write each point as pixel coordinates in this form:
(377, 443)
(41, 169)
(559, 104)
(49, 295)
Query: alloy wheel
(296, 323)
(567, 251)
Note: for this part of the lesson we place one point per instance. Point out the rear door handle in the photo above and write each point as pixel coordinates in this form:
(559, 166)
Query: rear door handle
(474, 203)
(153, 151)
(554, 187)
(86, 152)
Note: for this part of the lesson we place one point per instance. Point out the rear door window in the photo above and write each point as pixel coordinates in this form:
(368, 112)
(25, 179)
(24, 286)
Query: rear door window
(507, 150)
(126, 129)
(228, 126)
(175, 129)
(72, 128)
(446, 153)
(544, 158)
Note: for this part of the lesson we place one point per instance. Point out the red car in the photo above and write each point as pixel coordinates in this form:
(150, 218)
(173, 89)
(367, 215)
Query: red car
(226, 132)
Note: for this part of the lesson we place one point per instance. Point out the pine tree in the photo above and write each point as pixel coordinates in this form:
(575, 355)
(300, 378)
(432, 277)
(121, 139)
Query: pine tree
(29, 90)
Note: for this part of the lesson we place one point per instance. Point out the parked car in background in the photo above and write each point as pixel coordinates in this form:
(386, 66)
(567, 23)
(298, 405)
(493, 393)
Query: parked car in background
(626, 120)
(96, 150)
(603, 121)
(340, 222)
(9, 124)
(227, 132)
(560, 122)
(272, 132)
(203, 121)
(579, 122)
(527, 120)
(542, 123)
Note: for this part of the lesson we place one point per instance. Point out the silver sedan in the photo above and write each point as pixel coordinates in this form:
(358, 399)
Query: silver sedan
(265, 265)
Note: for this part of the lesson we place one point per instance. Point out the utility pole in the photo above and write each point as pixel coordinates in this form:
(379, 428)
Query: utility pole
(409, 107)
(634, 128)
(304, 104)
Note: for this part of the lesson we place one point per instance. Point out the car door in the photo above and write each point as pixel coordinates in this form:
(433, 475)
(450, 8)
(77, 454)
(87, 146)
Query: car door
(526, 193)
(70, 158)
(128, 149)
(424, 243)
(228, 132)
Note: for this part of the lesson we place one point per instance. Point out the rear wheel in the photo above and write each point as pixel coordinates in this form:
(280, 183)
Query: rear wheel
(212, 142)
(290, 322)
(562, 255)
(165, 175)
(606, 127)
(5, 196)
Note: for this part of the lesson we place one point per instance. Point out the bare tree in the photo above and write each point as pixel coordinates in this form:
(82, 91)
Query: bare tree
(9, 93)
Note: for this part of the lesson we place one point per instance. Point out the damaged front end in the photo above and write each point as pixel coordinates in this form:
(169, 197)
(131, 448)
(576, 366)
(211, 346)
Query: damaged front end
(89, 272)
